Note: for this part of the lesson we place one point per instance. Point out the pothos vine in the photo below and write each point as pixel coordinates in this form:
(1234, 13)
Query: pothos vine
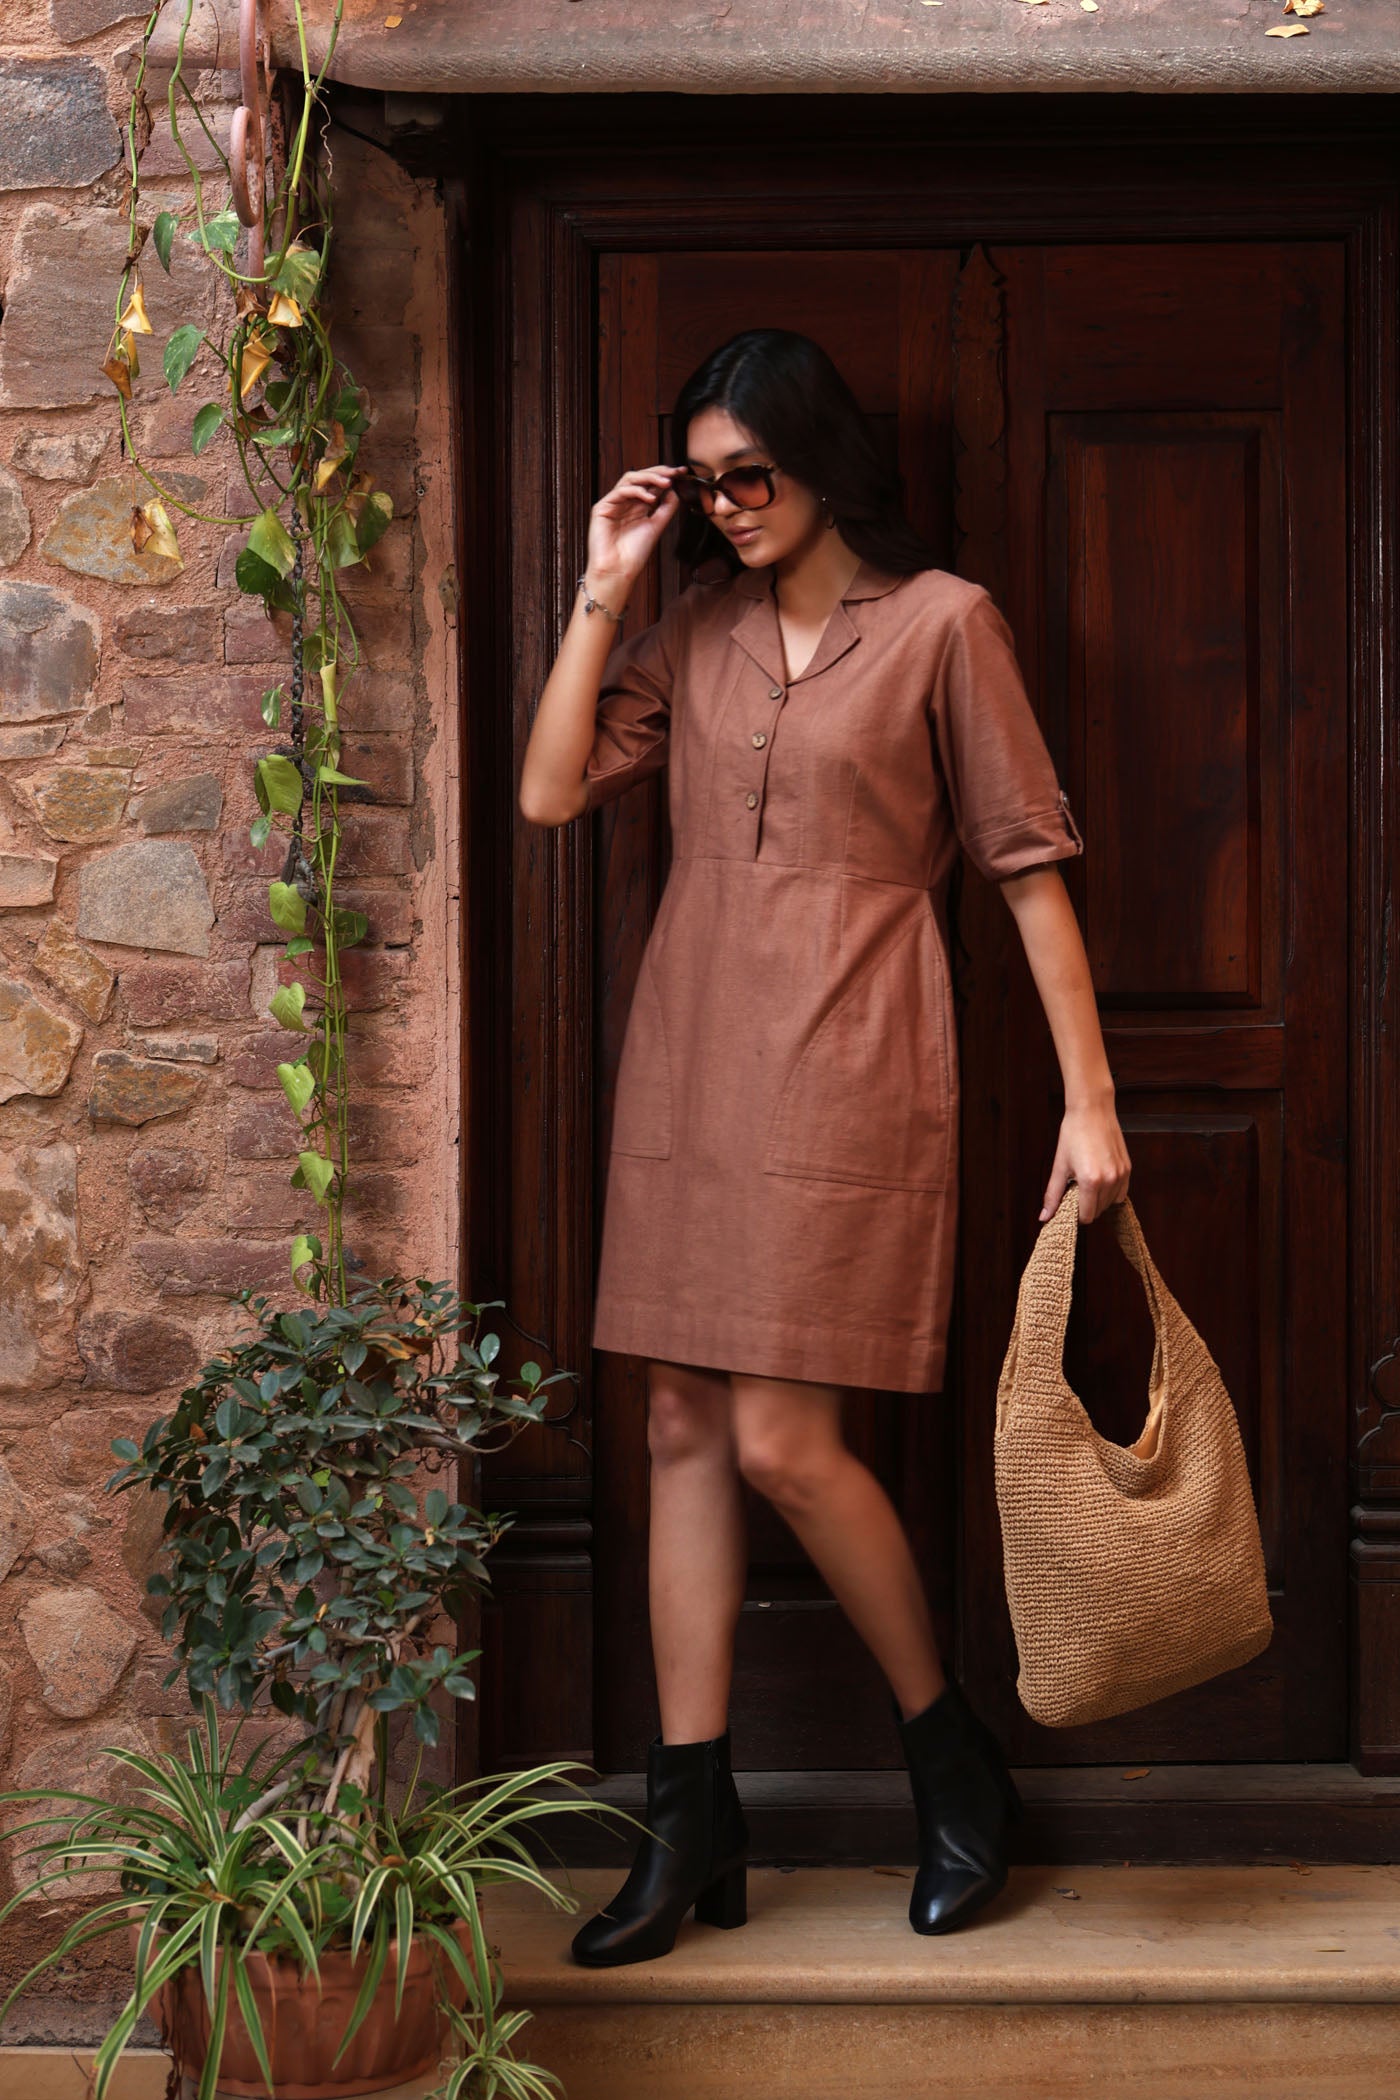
(296, 418)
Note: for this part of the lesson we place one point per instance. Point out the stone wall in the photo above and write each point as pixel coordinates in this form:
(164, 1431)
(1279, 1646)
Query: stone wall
(145, 1148)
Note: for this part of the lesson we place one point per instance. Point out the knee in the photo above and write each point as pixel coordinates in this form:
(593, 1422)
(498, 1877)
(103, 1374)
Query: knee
(790, 1472)
(683, 1425)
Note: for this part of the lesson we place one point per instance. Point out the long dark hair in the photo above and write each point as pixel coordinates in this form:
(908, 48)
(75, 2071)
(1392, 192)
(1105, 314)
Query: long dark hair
(785, 389)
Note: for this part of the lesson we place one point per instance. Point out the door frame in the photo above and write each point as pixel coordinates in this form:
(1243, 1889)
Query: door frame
(537, 183)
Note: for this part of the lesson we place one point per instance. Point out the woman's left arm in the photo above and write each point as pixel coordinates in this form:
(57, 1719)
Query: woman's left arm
(1091, 1150)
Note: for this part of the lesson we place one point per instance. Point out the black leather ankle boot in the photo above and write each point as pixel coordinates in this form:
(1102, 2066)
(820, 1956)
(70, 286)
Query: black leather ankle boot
(693, 1804)
(965, 1800)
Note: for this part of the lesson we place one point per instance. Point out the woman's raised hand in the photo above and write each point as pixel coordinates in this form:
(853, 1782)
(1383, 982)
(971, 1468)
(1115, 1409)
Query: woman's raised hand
(625, 525)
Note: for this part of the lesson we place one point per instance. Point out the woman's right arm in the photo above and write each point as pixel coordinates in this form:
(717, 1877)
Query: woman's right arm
(623, 529)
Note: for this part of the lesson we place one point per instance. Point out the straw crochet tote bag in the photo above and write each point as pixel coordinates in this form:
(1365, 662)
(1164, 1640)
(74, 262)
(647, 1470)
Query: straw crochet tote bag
(1132, 1570)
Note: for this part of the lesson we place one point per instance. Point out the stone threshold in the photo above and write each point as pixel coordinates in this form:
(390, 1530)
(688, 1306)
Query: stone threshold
(1135, 1982)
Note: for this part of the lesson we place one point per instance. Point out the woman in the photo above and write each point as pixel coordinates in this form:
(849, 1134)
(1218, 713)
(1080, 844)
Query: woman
(838, 716)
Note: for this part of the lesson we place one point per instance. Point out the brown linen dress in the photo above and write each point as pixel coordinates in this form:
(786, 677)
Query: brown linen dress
(783, 1176)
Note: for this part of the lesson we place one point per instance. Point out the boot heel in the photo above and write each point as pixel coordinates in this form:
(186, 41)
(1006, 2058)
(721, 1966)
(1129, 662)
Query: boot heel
(725, 1902)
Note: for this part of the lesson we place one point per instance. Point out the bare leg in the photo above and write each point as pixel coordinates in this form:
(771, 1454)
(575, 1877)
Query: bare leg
(697, 1547)
(790, 1447)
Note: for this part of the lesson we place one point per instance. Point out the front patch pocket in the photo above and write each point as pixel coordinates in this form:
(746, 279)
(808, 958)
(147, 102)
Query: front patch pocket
(868, 1098)
(642, 1098)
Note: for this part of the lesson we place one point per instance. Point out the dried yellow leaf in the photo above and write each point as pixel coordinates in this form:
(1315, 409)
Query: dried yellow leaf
(1137, 1772)
(1090, 7)
(153, 533)
(119, 372)
(257, 356)
(284, 311)
(1303, 7)
(336, 449)
(135, 318)
(392, 21)
(1288, 29)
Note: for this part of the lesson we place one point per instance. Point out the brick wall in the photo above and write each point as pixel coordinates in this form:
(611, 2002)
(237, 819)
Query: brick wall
(144, 1143)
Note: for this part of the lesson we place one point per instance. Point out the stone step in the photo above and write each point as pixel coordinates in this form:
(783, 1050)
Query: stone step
(1135, 1982)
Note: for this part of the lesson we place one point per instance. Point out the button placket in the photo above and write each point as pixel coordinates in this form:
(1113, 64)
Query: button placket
(759, 740)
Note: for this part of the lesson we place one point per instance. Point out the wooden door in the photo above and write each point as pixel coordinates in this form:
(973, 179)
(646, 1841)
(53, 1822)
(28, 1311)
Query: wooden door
(1139, 446)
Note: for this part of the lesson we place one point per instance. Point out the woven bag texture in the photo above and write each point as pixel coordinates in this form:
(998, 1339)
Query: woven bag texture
(1132, 1571)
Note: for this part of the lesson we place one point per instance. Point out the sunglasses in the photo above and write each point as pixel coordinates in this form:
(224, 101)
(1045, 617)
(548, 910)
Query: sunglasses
(748, 488)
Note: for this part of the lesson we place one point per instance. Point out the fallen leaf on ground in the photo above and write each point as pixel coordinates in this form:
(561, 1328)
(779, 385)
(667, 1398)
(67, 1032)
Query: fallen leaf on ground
(1138, 1772)
(1288, 29)
(1303, 7)
(1298, 1867)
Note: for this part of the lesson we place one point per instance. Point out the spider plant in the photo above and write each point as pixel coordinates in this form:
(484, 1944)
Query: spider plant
(209, 1877)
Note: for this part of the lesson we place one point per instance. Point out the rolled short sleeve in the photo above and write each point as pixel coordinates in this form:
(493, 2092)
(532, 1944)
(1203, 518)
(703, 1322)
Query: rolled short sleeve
(1008, 807)
(632, 731)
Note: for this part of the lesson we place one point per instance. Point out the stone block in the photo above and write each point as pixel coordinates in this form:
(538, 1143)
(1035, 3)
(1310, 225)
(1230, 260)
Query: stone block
(193, 804)
(92, 535)
(79, 803)
(178, 1049)
(266, 1129)
(56, 131)
(14, 517)
(142, 1545)
(151, 894)
(64, 271)
(60, 455)
(32, 739)
(181, 634)
(17, 1521)
(37, 1043)
(49, 649)
(74, 970)
(38, 1258)
(137, 1353)
(169, 1182)
(158, 995)
(78, 1759)
(26, 879)
(187, 1268)
(250, 637)
(127, 1089)
(214, 708)
(73, 21)
(64, 1557)
(79, 1646)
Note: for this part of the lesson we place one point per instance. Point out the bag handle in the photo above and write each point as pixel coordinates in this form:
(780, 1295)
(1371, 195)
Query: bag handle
(1043, 1298)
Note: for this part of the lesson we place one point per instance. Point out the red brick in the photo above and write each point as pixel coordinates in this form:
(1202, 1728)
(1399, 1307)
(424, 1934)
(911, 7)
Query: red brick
(189, 1268)
(373, 977)
(159, 993)
(197, 705)
(244, 916)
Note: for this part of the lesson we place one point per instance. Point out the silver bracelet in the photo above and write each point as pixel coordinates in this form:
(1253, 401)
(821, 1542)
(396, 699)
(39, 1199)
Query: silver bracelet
(592, 604)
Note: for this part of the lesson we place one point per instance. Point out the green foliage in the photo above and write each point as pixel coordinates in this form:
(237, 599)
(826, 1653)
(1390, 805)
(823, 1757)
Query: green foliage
(307, 1560)
(216, 1874)
(296, 419)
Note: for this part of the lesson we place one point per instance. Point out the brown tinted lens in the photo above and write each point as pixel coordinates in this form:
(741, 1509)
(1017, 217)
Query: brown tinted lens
(692, 491)
(749, 487)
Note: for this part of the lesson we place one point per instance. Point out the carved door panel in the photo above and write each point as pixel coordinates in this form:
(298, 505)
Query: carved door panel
(1171, 545)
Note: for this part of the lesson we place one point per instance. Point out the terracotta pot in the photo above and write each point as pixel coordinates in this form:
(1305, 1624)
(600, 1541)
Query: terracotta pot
(303, 2027)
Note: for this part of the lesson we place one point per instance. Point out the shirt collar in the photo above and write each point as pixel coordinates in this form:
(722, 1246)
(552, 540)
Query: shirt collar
(868, 582)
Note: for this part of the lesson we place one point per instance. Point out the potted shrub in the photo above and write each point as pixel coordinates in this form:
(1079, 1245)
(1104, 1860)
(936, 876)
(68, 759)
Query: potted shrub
(300, 1924)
